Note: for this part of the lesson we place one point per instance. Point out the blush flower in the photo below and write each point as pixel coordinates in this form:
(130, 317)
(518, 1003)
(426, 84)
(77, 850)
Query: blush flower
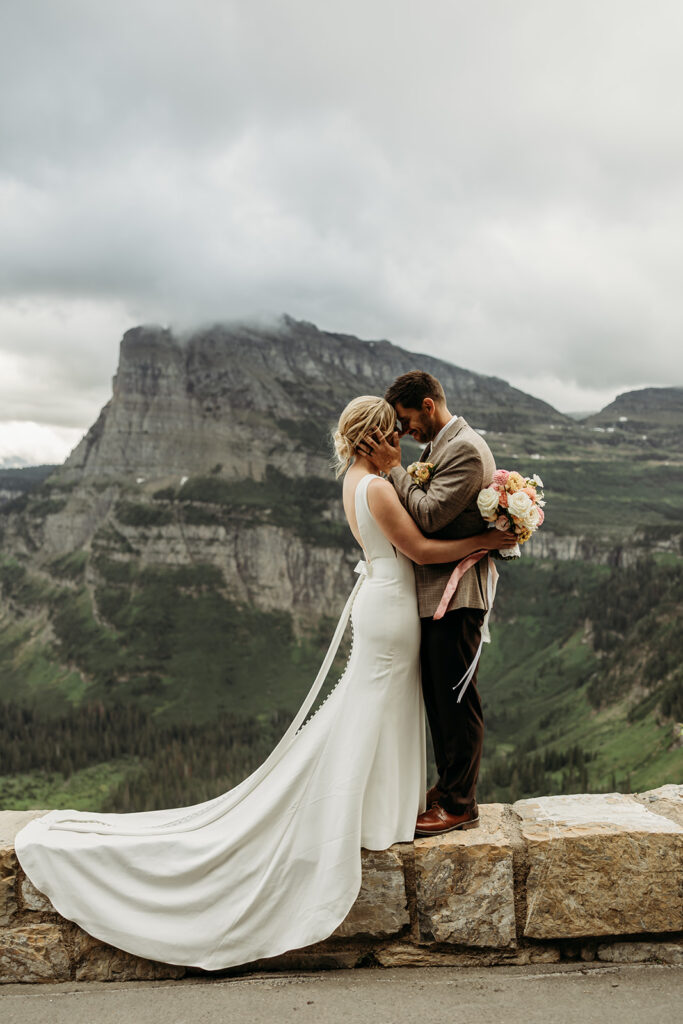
(513, 502)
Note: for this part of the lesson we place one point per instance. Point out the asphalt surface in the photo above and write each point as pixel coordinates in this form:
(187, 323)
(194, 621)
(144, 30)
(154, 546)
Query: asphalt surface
(552, 994)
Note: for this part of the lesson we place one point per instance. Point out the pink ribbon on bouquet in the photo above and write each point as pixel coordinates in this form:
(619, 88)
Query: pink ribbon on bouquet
(452, 585)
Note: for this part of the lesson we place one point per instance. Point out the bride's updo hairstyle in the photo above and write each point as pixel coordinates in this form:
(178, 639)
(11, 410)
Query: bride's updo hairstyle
(359, 417)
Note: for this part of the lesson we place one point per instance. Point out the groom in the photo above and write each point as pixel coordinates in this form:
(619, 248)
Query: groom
(446, 507)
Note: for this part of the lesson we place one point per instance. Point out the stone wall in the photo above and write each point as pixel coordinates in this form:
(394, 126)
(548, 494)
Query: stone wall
(567, 877)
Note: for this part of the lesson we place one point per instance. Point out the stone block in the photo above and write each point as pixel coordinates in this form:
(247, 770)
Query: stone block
(464, 884)
(94, 960)
(33, 953)
(31, 898)
(641, 952)
(8, 899)
(600, 864)
(10, 823)
(667, 801)
(381, 907)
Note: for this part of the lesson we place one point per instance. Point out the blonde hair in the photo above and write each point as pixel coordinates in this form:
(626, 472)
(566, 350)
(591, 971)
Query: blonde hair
(359, 417)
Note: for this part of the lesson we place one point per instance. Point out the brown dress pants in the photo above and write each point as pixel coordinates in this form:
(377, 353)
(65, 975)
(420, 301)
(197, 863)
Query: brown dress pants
(447, 649)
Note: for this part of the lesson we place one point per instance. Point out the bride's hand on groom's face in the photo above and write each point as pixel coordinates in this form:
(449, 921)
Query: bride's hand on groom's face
(383, 453)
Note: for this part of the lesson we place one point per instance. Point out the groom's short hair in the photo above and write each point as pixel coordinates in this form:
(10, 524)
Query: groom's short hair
(411, 389)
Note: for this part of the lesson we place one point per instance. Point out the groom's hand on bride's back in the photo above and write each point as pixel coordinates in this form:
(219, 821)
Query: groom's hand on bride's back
(383, 453)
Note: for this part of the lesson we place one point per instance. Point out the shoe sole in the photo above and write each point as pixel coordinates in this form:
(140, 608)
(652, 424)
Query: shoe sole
(462, 827)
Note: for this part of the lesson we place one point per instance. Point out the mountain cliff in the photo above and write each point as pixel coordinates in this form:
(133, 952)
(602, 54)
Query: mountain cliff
(248, 398)
(215, 449)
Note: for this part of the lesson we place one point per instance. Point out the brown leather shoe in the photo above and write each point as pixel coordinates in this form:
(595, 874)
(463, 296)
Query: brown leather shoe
(437, 820)
(432, 796)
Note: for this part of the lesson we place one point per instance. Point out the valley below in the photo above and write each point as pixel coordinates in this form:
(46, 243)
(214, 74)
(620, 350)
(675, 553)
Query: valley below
(167, 595)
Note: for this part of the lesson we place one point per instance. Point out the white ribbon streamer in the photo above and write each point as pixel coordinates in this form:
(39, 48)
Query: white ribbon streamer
(491, 584)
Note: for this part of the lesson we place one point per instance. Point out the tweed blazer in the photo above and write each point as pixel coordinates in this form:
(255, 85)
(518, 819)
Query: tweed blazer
(447, 508)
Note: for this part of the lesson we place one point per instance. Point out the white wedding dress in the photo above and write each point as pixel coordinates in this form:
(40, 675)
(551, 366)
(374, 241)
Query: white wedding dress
(273, 864)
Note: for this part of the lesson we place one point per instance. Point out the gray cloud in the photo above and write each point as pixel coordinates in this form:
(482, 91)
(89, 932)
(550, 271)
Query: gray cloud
(498, 184)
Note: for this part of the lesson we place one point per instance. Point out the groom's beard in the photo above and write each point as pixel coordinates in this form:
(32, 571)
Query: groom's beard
(420, 428)
(425, 431)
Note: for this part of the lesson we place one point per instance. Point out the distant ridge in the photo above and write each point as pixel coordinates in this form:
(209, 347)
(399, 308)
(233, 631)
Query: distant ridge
(653, 412)
(20, 480)
(646, 401)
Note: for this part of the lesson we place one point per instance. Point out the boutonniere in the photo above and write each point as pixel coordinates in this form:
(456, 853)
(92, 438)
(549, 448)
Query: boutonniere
(421, 472)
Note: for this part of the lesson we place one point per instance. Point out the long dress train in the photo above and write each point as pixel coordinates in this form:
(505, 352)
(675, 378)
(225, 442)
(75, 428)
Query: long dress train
(273, 864)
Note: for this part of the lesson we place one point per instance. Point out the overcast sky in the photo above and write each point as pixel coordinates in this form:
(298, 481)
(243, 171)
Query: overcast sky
(497, 183)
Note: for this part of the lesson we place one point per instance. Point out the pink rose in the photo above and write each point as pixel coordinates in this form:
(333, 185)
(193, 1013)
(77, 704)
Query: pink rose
(541, 516)
(500, 476)
(531, 491)
(502, 523)
(503, 499)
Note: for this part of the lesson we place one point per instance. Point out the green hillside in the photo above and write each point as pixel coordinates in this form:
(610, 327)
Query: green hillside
(582, 688)
(583, 682)
(582, 685)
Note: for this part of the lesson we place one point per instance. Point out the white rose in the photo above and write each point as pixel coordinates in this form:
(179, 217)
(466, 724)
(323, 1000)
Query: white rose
(487, 503)
(519, 504)
(530, 519)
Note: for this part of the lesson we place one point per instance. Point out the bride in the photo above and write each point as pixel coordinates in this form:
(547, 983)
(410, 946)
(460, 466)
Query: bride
(274, 864)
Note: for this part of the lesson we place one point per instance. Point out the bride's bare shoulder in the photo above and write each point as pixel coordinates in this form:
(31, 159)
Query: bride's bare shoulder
(381, 495)
(377, 482)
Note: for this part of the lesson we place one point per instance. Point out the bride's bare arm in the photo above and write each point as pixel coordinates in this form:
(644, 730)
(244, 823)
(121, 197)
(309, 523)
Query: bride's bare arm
(404, 533)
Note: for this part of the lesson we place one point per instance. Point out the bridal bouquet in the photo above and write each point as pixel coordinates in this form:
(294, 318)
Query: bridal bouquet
(513, 502)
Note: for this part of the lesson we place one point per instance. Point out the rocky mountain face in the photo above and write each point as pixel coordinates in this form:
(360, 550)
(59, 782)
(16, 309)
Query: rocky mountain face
(248, 398)
(600, 550)
(192, 459)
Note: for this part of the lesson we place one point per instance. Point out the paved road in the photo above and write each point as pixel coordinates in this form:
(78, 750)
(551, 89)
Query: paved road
(553, 994)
